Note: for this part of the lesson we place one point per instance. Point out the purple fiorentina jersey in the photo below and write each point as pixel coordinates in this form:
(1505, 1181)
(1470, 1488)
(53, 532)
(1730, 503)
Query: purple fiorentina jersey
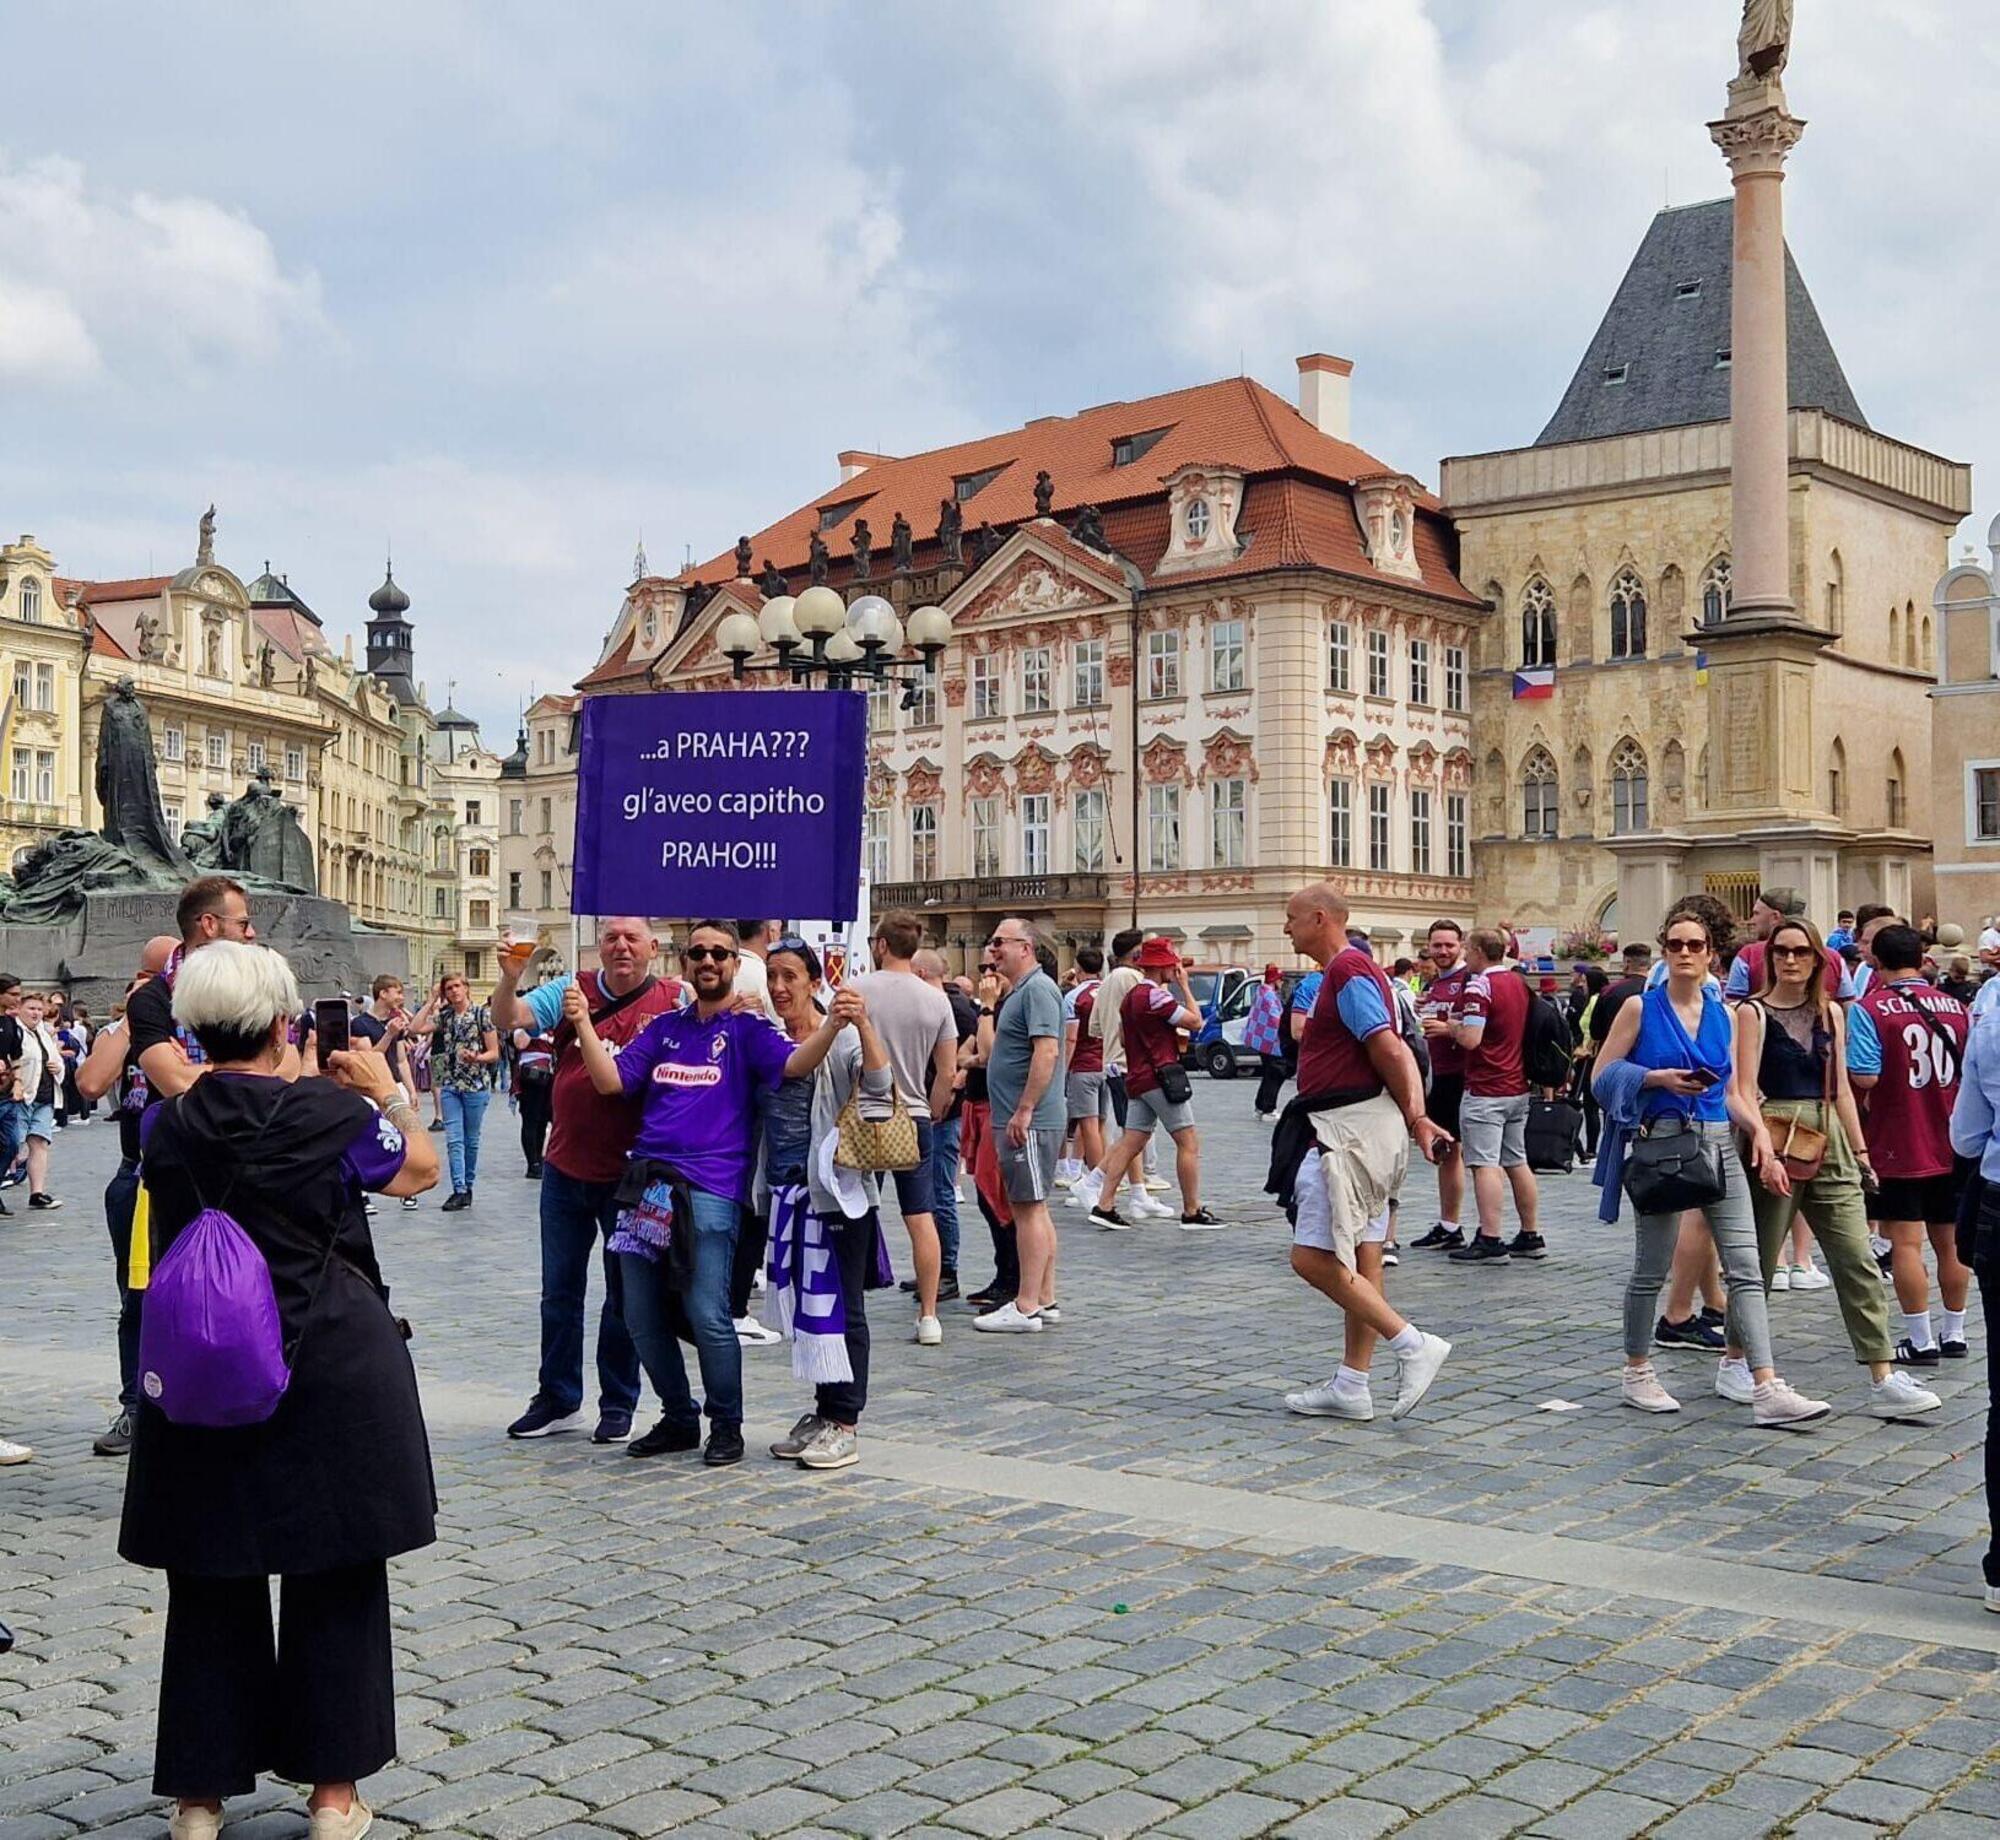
(700, 1081)
(375, 1156)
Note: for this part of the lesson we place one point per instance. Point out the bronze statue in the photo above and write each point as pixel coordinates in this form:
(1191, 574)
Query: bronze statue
(260, 836)
(1045, 493)
(864, 546)
(1764, 40)
(1087, 527)
(951, 530)
(742, 558)
(205, 550)
(128, 787)
(202, 840)
(816, 557)
(985, 540)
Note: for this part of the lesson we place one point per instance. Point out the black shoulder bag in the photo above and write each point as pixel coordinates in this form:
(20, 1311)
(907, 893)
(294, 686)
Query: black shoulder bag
(1671, 1165)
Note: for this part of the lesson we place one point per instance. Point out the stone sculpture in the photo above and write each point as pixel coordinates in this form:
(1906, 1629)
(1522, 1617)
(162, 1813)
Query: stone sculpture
(743, 559)
(864, 546)
(204, 554)
(128, 787)
(951, 530)
(1764, 40)
(901, 543)
(817, 558)
(1045, 493)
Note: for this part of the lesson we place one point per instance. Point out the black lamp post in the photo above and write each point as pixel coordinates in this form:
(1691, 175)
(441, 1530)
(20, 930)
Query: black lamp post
(818, 635)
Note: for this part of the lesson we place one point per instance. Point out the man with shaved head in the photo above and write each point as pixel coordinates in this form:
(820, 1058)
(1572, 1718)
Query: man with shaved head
(589, 1136)
(110, 1064)
(1339, 1154)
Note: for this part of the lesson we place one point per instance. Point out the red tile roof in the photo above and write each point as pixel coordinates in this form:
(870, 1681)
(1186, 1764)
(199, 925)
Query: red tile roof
(146, 588)
(293, 632)
(104, 646)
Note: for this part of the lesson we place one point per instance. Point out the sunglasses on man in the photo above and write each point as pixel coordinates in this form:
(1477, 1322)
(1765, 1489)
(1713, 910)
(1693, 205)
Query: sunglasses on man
(697, 955)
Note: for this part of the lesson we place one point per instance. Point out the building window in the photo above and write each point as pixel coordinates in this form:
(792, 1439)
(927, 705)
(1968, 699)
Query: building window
(1036, 808)
(45, 686)
(1715, 591)
(1163, 664)
(479, 862)
(257, 756)
(1198, 519)
(441, 851)
(1038, 680)
(1538, 794)
(1225, 655)
(174, 741)
(24, 685)
(986, 692)
(1378, 825)
(1340, 657)
(1898, 802)
(966, 484)
(475, 961)
(22, 785)
(31, 600)
(1340, 823)
(548, 816)
(1228, 823)
(514, 888)
(1986, 805)
(1420, 671)
(1628, 789)
(1087, 829)
(218, 749)
(516, 813)
(548, 889)
(1457, 857)
(1538, 624)
(923, 843)
(1087, 673)
(881, 707)
(438, 897)
(875, 843)
(924, 704)
(1420, 831)
(1163, 827)
(1378, 664)
(986, 836)
(478, 915)
(1454, 679)
(172, 814)
(1130, 447)
(295, 763)
(472, 811)
(1628, 616)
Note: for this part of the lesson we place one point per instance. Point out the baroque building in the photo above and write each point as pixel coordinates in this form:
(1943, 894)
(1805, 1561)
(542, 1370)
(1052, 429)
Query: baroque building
(1204, 650)
(465, 777)
(537, 807)
(1603, 550)
(1965, 738)
(41, 677)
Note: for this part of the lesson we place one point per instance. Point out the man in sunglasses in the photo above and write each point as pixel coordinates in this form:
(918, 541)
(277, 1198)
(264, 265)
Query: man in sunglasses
(589, 1137)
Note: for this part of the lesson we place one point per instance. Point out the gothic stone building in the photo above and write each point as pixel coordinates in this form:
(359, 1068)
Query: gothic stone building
(1604, 548)
(1227, 653)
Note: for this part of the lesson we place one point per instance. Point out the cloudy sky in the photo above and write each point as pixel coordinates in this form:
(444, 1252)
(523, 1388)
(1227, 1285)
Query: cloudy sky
(508, 286)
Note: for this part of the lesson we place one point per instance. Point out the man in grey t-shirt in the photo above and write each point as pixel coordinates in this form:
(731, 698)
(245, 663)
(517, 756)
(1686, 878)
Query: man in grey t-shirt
(1024, 1079)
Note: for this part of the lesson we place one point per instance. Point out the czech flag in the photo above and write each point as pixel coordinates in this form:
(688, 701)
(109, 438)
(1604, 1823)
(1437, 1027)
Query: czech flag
(1536, 684)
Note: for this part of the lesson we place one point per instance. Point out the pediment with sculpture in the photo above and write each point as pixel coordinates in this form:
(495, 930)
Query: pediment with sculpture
(1037, 572)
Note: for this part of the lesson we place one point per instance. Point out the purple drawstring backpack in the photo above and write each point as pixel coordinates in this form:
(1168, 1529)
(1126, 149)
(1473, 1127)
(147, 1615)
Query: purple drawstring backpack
(211, 1344)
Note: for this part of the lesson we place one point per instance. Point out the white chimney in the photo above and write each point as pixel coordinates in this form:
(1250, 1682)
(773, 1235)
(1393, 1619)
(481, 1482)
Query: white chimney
(1325, 392)
(855, 461)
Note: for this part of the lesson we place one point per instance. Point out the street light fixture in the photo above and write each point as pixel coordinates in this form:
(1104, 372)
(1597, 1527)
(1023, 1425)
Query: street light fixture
(818, 635)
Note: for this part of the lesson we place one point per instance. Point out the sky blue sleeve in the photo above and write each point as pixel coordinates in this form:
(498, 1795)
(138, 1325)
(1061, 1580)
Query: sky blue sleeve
(1850, 986)
(544, 1002)
(1864, 1042)
(1739, 978)
(1972, 1113)
(1361, 1007)
(1307, 993)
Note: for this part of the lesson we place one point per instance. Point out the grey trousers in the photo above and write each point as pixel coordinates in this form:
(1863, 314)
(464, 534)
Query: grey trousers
(1734, 1225)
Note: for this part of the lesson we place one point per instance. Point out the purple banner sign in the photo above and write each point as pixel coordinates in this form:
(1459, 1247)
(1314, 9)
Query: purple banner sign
(721, 802)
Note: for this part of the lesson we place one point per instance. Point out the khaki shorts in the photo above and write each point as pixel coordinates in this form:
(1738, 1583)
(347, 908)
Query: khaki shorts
(1343, 1194)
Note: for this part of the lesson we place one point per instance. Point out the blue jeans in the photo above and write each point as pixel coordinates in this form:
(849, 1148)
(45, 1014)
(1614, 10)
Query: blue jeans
(650, 1314)
(944, 1190)
(13, 1132)
(573, 1215)
(464, 1116)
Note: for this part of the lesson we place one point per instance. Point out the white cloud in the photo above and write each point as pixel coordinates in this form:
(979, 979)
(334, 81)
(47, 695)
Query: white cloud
(97, 282)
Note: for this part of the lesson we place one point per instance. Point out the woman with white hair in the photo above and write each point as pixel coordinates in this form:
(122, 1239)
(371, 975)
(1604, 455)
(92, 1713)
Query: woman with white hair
(336, 1480)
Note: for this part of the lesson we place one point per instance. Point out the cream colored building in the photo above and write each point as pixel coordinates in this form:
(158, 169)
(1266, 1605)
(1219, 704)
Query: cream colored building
(1965, 739)
(1204, 650)
(465, 776)
(41, 673)
(537, 806)
(1604, 550)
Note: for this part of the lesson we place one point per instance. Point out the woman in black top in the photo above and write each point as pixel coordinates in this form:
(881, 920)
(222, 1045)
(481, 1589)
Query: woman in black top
(338, 1480)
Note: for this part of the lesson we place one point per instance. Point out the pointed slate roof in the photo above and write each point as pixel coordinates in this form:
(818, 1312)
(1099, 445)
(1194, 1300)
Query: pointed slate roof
(1653, 363)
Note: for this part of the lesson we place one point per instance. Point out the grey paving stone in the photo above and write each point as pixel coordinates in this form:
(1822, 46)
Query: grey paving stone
(1007, 1811)
(1236, 1815)
(1119, 1814)
(1601, 1815)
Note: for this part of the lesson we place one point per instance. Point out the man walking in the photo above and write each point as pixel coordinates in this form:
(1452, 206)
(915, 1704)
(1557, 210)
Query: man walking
(921, 1038)
(1083, 1055)
(1024, 1079)
(1490, 1026)
(589, 1136)
(1107, 1024)
(1339, 1153)
(1435, 1008)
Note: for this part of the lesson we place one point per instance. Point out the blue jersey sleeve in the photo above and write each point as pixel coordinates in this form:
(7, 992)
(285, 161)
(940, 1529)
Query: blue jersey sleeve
(1361, 1007)
(1739, 978)
(1864, 1042)
(544, 1002)
(1307, 993)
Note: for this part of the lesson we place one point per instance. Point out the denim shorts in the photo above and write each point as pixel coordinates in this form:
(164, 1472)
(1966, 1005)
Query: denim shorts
(41, 1121)
(916, 1189)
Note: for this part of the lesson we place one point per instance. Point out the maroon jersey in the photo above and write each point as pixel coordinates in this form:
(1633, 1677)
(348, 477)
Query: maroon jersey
(1499, 1000)
(592, 1133)
(1089, 1055)
(1919, 1033)
(1441, 997)
(1354, 1003)
(1151, 1041)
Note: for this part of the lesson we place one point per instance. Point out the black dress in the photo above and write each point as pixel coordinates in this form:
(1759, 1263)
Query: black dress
(340, 1474)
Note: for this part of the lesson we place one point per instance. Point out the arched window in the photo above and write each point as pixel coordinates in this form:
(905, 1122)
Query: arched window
(1895, 635)
(1836, 594)
(1898, 800)
(1715, 592)
(31, 600)
(1538, 794)
(1927, 658)
(1538, 623)
(1910, 633)
(1836, 778)
(1628, 615)
(1628, 789)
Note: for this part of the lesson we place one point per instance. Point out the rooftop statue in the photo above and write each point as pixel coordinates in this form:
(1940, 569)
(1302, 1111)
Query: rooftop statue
(1764, 40)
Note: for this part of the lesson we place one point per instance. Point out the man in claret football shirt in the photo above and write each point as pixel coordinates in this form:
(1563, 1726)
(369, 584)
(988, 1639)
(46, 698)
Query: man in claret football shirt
(1905, 1045)
(1439, 998)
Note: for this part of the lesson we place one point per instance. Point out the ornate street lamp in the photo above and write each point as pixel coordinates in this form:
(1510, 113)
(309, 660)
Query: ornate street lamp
(820, 636)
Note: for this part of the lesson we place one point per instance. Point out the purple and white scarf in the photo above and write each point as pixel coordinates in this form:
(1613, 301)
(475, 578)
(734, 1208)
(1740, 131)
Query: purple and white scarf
(805, 1288)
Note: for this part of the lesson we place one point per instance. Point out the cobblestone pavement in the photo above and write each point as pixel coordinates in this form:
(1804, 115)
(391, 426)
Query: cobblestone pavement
(1095, 1583)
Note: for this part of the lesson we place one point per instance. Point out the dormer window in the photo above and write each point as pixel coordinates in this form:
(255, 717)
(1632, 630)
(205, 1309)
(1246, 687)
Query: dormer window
(966, 484)
(831, 517)
(1385, 504)
(1198, 520)
(1722, 358)
(1203, 504)
(1130, 447)
(1687, 290)
(1615, 373)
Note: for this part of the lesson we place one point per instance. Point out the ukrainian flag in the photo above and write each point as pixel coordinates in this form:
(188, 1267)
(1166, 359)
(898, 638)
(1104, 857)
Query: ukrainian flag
(1700, 668)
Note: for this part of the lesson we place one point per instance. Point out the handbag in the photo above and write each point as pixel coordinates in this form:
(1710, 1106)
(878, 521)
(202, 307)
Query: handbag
(1672, 1166)
(1799, 1146)
(876, 1144)
(1554, 1135)
(1175, 1086)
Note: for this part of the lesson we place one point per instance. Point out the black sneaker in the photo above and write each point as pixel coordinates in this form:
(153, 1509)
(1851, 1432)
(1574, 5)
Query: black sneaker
(990, 1298)
(1713, 1318)
(947, 1286)
(544, 1419)
(1199, 1218)
(1108, 1218)
(460, 1199)
(668, 1436)
(908, 1285)
(1528, 1246)
(115, 1440)
(43, 1202)
(1882, 1260)
(533, 1172)
(725, 1445)
(613, 1428)
(1482, 1251)
(1439, 1239)
(1952, 1351)
(1908, 1354)
(1696, 1332)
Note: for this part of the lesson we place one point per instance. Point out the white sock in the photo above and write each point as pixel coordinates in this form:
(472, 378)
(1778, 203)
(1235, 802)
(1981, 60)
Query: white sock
(1917, 1326)
(1407, 1340)
(1450, 1226)
(1877, 1244)
(1350, 1379)
(1736, 1360)
(1954, 1325)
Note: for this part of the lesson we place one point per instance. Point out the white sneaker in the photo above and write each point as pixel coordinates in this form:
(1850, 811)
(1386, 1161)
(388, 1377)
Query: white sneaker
(1896, 1395)
(1781, 1279)
(194, 1824)
(1008, 1320)
(1089, 1186)
(1733, 1382)
(1640, 1389)
(752, 1334)
(1777, 1405)
(1050, 1313)
(930, 1332)
(1330, 1401)
(329, 1825)
(1993, 1598)
(1143, 1204)
(759, 1283)
(1419, 1370)
(1158, 1183)
(11, 1453)
(1069, 1171)
(1810, 1278)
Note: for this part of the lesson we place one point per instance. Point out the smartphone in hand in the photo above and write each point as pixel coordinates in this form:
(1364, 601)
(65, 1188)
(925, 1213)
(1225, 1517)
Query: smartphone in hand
(330, 1027)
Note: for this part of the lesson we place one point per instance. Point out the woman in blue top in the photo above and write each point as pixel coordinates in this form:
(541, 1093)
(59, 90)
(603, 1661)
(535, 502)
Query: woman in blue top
(1680, 1033)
